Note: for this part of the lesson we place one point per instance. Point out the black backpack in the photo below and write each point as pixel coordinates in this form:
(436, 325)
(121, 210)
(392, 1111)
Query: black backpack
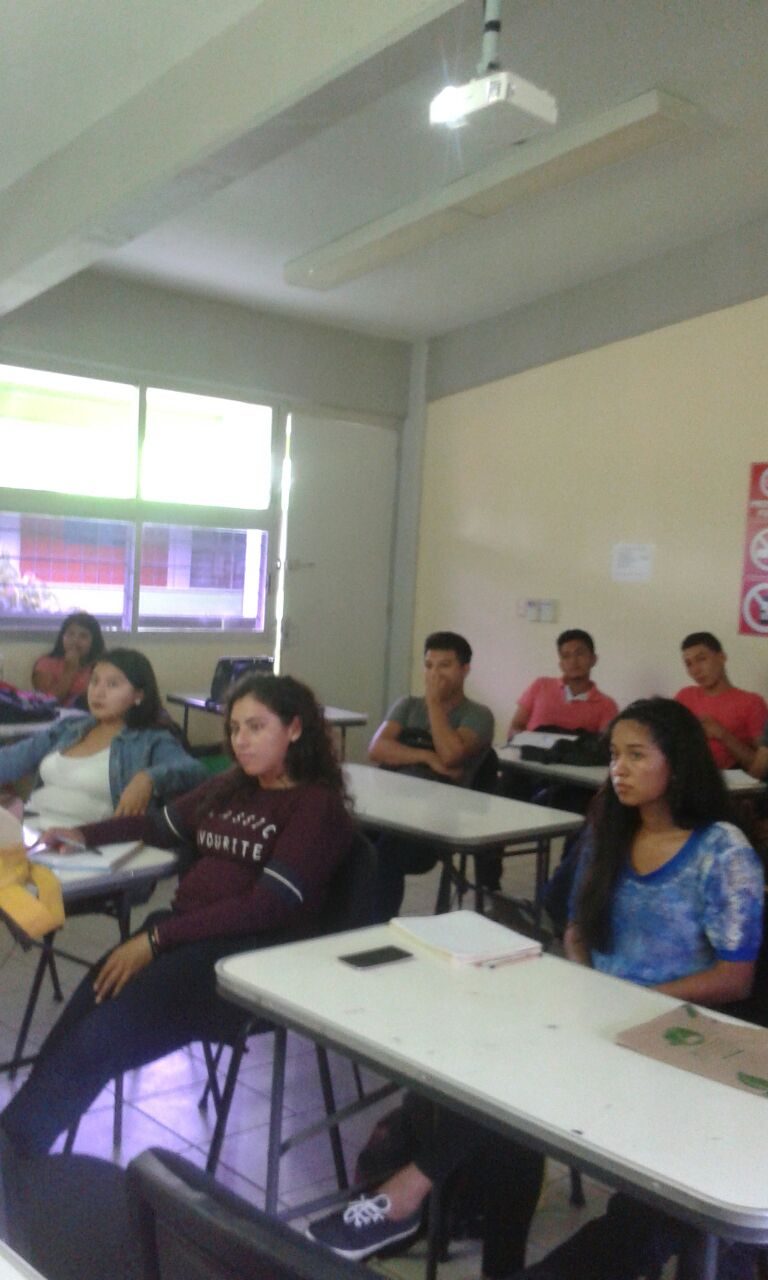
(25, 708)
(586, 749)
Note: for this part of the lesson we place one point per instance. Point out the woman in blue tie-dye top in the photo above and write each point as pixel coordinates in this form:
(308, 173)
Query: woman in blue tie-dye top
(669, 893)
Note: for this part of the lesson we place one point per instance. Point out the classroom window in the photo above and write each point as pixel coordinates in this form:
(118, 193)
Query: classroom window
(52, 565)
(99, 467)
(206, 451)
(68, 435)
(202, 579)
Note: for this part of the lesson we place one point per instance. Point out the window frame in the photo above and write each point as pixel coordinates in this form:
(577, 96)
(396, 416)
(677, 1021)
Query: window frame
(139, 511)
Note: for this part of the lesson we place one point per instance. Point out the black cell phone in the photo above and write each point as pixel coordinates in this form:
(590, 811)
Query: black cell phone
(376, 956)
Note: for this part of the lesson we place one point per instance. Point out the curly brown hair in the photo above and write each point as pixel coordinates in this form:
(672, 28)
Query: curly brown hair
(311, 758)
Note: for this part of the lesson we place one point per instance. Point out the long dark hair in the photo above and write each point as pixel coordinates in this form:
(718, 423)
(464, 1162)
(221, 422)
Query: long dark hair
(696, 796)
(139, 671)
(91, 624)
(311, 758)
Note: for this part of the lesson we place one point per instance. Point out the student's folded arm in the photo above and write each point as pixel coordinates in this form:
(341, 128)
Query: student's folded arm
(56, 683)
(743, 752)
(518, 721)
(171, 768)
(574, 945)
(759, 765)
(384, 748)
(171, 827)
(724, 982)
(19, 758)
(452, 746)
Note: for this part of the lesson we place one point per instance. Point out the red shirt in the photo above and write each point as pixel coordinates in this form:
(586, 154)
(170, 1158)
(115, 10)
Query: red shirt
(546, 703)
(743, 714)
(54, 667)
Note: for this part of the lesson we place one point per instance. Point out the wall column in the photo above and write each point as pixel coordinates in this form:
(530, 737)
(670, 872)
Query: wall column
(406, 535)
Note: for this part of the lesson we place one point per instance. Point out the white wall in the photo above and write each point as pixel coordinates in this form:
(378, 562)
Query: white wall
(530, 480)
(99, 323)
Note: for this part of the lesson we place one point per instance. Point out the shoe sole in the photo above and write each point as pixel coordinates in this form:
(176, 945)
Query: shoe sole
(357, 1255)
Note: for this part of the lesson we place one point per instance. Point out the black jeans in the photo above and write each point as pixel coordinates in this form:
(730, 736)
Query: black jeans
(165, 1006)
(629, 1241)
(506, 1176)
(398, 857)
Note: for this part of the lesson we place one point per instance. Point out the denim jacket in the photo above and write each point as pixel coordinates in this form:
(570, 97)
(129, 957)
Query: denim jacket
(155, 751)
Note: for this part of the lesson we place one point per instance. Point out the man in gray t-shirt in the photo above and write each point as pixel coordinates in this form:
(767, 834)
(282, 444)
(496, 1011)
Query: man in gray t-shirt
(443, 736)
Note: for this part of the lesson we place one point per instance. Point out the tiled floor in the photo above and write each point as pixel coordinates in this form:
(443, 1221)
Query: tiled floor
(161, 1101)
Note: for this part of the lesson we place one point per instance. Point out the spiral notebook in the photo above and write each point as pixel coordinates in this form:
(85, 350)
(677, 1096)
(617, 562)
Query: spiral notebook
(466, 938)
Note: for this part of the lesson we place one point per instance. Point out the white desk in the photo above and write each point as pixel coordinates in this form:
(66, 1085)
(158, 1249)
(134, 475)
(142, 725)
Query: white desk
(454, 817)
(534, 1057)
(591, 777)
(13, 1267)
(335, 716)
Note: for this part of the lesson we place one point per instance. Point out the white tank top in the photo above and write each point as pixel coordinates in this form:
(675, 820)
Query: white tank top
(75, 789)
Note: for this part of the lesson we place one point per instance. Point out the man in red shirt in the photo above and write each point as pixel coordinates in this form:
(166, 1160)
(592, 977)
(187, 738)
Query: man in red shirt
(571, 702)
(733, 719)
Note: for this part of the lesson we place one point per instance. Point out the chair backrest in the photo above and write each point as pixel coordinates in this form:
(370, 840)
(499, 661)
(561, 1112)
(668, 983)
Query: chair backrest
(192, 1228)
(352, 891)
(486, 775)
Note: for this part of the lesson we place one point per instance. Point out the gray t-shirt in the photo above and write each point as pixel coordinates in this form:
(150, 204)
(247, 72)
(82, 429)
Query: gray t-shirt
(411, 713)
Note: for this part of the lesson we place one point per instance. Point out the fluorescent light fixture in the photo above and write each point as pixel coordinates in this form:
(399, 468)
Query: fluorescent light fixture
(539, 165)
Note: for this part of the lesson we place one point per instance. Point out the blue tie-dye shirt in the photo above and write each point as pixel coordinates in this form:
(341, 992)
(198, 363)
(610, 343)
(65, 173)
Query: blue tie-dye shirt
(705, 904)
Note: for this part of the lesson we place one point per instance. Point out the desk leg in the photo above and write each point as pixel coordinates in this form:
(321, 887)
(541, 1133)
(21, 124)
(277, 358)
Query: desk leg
(698, 1261)
(542, 876)
(276, 1120)
(434, 1222)
(433, 1232)
(42, 964)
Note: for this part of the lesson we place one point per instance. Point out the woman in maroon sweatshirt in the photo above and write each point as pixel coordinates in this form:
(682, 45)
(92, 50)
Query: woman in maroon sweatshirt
(264, 840)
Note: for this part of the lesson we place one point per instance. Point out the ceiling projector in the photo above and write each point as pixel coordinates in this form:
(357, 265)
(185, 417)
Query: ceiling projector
(521, 102)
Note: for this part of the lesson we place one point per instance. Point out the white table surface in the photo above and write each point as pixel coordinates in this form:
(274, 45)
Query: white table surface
(148, 863)
(453, 815)
(529, 1047)
(593, 776)
(12, 1267)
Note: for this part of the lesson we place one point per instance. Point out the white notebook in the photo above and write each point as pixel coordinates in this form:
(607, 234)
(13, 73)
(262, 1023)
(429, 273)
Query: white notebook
(538, 738)
(466, 937)
(107, 857)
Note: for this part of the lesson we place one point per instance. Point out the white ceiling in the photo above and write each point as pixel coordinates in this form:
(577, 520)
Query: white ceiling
(203, 146)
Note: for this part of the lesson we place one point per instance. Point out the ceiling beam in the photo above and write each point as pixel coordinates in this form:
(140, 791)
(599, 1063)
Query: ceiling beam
(156, 154)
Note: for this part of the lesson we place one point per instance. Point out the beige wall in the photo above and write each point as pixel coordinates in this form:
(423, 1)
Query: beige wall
(529, 481)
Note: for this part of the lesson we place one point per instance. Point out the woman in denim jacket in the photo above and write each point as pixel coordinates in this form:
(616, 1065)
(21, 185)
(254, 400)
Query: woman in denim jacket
(114, 760)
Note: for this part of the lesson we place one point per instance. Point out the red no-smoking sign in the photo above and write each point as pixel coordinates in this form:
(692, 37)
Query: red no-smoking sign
(753, 614)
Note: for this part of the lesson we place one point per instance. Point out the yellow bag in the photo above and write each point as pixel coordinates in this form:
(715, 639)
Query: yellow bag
(29, 915)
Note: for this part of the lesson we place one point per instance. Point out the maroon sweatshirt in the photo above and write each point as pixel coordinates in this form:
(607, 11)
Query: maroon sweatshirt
(263, 858)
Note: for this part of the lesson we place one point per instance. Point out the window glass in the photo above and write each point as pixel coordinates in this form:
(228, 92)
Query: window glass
(202, 578)
(53, 565)
(68, 435)
(80, 438)
(206, 451)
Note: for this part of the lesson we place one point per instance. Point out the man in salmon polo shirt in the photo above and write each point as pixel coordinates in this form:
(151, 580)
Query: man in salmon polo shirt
(571, 702)
(733, 719)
